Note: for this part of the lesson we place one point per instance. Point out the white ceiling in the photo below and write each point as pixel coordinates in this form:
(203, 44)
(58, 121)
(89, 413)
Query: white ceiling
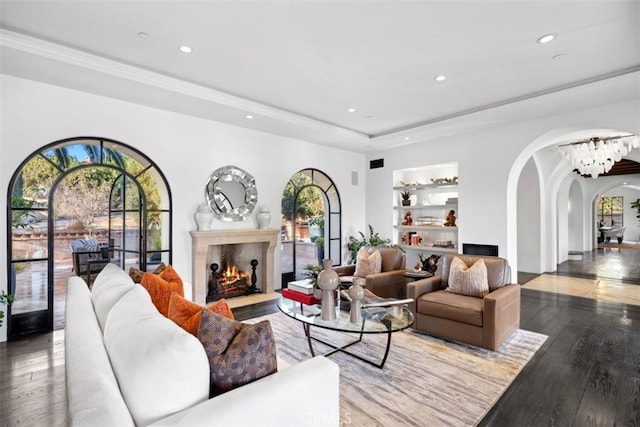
(298, 66)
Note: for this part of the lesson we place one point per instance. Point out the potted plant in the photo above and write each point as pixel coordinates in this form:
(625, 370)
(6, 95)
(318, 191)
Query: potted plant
(354, 244)
(4, 299)
(312, 273)
(406, 194)
(636, 205)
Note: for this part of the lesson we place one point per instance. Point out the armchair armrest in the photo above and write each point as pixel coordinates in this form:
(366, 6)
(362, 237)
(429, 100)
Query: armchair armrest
(345, 270)
(501, 315)
(420, 287)
(304, 394)
(387, 284)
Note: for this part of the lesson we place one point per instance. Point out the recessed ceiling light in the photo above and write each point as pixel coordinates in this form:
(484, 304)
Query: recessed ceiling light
(440, 78)
(351, 110)
(143, 35)
(185, 49)
(249, 116)
(407, 138)
(546, 38)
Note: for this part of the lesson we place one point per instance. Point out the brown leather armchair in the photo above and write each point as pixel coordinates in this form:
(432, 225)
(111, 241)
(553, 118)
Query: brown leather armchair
(390, 283)
(483, 322)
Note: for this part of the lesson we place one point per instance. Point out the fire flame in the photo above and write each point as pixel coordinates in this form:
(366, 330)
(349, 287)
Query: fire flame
(232, 275)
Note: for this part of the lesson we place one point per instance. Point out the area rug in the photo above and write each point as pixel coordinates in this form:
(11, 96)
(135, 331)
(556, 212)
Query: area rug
(426, 381)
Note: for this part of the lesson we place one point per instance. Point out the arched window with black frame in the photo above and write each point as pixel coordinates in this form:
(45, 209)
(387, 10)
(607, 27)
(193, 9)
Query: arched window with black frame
(74, 206)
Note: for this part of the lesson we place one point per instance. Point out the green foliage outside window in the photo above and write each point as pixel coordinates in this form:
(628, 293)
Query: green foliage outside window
(309, 203)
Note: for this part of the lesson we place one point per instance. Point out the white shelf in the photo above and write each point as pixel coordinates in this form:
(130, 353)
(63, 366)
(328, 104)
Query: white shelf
(428, 201)
(425, 227)
(434, 206)
(451, 186)
(429, 248)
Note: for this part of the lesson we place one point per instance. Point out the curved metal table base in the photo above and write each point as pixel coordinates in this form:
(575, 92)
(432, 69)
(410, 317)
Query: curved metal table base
(343, 348)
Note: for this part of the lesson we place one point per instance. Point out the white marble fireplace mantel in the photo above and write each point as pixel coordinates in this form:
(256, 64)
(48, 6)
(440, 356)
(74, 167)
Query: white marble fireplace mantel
(201, 240)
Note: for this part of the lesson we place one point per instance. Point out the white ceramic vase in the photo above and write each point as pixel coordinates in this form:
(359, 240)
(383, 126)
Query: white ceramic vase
(356, 293)
(264, 217)
(328, 281)
(204, 217)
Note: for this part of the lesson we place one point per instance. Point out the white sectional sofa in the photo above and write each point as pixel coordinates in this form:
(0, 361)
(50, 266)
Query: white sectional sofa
(126, 364)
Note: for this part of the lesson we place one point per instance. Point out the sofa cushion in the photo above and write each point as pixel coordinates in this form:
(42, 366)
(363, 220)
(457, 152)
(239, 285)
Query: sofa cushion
(470, 281)
(161, 286)
(93, 396)
(367, 263)
(186, 314)
(161, 368)
(448, 305)
(110, 285)
(238, 353)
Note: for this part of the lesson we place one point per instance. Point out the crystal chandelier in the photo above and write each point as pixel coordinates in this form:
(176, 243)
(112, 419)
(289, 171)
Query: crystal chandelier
(596, 156)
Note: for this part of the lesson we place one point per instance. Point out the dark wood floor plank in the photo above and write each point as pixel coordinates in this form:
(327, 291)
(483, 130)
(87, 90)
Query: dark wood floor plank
(598, 405)
(628, 404)
(589, 345)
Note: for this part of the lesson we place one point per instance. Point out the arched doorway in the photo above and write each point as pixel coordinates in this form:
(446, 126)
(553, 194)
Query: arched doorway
(72, 193)
(555, 180)
(310, 223)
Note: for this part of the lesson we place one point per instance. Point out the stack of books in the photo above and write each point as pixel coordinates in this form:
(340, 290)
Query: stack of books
(301, 291)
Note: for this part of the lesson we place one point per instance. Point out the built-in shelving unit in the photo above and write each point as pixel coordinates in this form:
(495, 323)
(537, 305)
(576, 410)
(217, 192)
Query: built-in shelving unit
(429, 205)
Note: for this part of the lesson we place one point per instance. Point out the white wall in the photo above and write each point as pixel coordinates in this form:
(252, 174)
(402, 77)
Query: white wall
(576, 218)
(529, 219)
(185, 148)
(562, 218)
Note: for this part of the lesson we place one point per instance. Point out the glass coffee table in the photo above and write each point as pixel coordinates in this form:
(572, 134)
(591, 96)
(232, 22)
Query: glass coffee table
(375, 320)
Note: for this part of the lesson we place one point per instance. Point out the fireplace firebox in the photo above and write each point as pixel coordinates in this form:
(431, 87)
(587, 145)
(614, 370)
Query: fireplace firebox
(250, 250)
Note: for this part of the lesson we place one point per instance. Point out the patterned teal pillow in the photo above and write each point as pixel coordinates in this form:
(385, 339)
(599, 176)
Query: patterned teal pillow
(238, 353)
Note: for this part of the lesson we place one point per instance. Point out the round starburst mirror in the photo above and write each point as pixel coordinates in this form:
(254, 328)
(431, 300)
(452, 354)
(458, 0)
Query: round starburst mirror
(231, 193)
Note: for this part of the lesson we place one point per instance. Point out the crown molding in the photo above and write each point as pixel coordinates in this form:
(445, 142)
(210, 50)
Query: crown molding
(56, 52)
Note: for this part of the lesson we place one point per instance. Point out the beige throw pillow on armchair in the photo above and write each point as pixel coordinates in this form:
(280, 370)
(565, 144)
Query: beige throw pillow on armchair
(367, 264)
(471, 281)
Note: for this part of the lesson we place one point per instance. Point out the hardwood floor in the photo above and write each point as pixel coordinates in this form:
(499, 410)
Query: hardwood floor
(609, 263)
(32, 382)
(605, 290)
(586, 374)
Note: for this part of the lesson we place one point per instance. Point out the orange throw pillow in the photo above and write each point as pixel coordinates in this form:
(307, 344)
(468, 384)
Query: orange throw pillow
(136, 274)
(161, 286)
(187, 313)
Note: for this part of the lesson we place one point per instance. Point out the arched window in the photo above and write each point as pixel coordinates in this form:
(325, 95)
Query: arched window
(72, 207)
(311, 223)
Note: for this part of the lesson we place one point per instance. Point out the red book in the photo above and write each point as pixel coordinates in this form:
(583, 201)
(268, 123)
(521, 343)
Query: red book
(300, 297)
